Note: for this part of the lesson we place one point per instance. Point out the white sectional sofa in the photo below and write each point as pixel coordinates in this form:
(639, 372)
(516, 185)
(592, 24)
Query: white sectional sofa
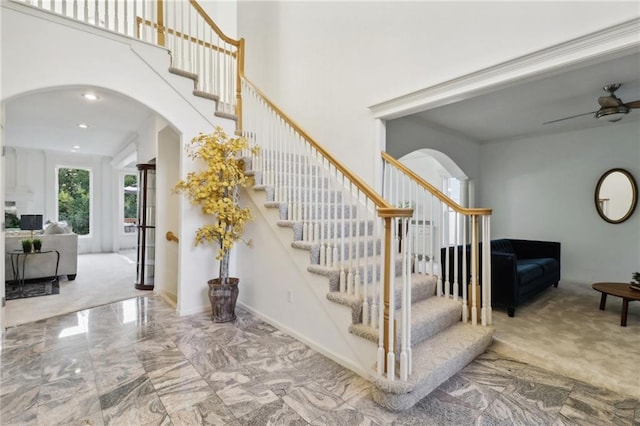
(41, 266)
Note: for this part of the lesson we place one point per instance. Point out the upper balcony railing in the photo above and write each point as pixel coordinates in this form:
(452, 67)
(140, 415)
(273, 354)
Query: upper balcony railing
(199, 49)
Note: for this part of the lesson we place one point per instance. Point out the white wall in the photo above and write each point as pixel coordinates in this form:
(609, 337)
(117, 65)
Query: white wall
(126, 67)
(25, 180)
(275, 283)
(224, 14)
(325, 63)
(2, 183)
(405, 135)
(167, 175)
(543, 188)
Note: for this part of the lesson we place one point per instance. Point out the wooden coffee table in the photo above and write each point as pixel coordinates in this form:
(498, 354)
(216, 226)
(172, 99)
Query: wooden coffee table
(619, 290)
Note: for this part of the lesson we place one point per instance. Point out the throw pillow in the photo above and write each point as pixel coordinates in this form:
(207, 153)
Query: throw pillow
(57, 228)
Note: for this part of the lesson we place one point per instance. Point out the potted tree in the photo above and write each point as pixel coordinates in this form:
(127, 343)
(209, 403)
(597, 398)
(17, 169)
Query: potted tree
(216, 190)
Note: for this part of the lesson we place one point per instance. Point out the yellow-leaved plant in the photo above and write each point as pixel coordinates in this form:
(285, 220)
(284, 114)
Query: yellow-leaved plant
(216, 190)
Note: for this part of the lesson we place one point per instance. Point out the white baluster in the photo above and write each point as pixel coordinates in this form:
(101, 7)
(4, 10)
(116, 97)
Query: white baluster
(391, 358)
(404, 321)
(474, 269)
(116, 22)
(486, 271)
(455, 257)
(465, 276)
(126, 18)
(367, 315)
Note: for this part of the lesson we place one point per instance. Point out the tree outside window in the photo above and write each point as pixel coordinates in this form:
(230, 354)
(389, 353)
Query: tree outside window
(74, 192)
(130, 203)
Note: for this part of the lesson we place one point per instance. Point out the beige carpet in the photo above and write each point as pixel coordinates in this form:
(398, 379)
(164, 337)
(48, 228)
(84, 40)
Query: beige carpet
(564, 331)
(102, 278)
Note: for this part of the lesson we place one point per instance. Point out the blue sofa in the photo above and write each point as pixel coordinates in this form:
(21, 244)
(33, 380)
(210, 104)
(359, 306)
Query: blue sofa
(520, 269)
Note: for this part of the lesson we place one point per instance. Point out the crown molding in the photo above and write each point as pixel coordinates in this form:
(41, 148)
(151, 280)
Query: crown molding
(615, 41)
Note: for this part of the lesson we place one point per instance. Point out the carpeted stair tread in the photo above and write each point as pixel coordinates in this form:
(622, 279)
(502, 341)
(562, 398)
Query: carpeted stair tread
(422, 287)
(183, 73)
(206, 95)
(432, 315)
(227, 115)
(434, 361)
(350, 300)
(428, 317)
(354, 230)
(286, 223)
(302, 245)
(366, 332)
(351, 251)
(325, 269)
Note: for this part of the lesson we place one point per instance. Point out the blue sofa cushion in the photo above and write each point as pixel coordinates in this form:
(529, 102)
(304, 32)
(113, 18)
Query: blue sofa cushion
(528, 271)
(548, 264)
(503, 246)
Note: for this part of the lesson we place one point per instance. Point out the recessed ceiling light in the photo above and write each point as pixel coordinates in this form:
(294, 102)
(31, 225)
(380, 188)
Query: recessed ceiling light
(83, 125)
(90, 96)
(76, 147)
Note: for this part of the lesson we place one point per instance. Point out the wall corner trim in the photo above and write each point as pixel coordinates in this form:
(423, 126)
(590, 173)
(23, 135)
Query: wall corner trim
(609, 43)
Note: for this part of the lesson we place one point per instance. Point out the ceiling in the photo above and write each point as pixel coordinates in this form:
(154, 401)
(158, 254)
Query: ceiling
(49, 119)
(520, 110)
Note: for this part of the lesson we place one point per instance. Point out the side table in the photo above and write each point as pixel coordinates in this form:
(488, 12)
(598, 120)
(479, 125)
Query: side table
(621, 290)
(19, 269)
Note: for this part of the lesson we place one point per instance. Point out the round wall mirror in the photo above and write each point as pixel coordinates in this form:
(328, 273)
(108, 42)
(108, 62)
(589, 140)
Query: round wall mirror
(616, 195)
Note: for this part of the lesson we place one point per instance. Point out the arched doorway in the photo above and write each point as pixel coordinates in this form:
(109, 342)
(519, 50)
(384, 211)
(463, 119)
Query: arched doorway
(441, 171)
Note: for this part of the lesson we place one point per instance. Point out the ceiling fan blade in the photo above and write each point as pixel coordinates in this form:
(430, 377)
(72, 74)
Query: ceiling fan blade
(633, 105)
(567, 118)
(609, 101)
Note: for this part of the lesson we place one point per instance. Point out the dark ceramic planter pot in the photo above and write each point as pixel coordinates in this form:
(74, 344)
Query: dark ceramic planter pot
(223, 299)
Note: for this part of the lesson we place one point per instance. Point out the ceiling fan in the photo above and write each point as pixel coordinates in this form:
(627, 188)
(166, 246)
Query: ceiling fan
(611, 109)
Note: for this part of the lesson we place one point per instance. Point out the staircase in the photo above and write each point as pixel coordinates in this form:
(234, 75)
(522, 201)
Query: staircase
(441, 343)
(380, 263)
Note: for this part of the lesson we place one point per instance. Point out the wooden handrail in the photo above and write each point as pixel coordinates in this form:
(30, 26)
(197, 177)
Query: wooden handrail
(186, 37)
(209, 21)
(370, 192)
(172, 237)
(435, 191)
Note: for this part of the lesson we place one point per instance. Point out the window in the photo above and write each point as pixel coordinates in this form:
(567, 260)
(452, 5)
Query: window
(74, 198)
(130, 190)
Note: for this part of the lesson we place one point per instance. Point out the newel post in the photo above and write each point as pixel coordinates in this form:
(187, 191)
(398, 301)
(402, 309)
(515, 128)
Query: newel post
(474, 288)
(389, 322)
(386, 286)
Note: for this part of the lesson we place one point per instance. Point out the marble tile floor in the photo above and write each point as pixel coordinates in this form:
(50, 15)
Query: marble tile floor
(135, 362)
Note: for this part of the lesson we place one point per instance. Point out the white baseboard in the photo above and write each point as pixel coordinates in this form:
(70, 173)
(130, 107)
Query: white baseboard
(193, 311)
(169, 298)
(311, 343)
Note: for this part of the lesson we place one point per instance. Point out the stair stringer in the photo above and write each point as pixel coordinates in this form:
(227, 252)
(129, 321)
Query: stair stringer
(158, 59)
(277, 269)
